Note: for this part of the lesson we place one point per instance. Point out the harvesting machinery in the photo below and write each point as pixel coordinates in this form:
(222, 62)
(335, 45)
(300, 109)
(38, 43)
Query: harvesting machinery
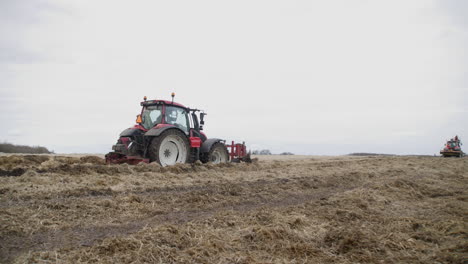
(168, 133)
(452, 148)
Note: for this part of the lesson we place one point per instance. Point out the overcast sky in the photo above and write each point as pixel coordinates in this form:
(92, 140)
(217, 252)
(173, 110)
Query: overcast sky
(311, 77)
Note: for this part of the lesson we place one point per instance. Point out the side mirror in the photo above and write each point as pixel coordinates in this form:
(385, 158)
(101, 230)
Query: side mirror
(202, 115)
(138, 120)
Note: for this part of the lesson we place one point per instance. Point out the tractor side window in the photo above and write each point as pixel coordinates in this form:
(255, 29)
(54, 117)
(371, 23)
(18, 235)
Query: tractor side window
(151, 116)
(178, 117)
(154, 116)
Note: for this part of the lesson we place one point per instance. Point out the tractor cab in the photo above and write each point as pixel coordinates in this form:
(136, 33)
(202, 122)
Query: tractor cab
(163, 114)
(160, 113)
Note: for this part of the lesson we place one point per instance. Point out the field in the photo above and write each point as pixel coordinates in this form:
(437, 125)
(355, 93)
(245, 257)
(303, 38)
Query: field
(292, 209)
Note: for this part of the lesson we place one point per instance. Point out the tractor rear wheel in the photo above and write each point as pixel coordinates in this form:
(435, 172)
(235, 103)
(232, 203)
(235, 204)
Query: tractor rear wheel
(217, 154)
(169, 148)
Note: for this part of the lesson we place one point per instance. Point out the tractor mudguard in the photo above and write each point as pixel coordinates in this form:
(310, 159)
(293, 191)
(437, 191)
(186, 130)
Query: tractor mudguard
(154, 132)
(130, 132)
(206, 146)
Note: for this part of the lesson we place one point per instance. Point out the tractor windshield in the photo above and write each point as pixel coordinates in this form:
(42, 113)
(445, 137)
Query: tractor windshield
(151, 116)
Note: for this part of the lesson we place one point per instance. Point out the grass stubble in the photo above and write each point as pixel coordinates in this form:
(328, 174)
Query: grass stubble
(56, 209)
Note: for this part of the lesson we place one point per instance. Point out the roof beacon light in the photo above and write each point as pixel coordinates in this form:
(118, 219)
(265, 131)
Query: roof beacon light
(172, 95)
(144, 98)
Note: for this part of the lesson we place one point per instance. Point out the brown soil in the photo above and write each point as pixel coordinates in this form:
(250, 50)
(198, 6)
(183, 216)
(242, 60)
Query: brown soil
(297, 210)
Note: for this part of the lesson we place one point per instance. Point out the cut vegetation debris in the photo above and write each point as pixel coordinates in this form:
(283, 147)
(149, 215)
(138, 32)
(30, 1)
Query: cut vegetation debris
(302, 210)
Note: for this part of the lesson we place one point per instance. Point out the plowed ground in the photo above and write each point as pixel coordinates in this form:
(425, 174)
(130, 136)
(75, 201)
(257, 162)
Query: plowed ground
(57, 209)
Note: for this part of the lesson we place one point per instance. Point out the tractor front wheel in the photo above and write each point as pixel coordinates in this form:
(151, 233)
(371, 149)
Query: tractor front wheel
(169, 148)
(217, 154)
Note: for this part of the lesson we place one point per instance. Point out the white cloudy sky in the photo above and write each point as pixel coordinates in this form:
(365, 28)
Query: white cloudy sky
(310, 77)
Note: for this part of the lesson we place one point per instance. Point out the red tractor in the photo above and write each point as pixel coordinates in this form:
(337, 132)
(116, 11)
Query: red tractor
(168, 133)
(452, 148)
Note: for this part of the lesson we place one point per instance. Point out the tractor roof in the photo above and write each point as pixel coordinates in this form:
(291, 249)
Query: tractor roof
(153, 102)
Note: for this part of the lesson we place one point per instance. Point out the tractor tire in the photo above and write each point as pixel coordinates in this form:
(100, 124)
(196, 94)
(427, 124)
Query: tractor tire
(169, 148)
(217, 154)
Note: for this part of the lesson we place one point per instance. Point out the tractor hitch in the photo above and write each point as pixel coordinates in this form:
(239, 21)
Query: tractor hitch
(238, 152)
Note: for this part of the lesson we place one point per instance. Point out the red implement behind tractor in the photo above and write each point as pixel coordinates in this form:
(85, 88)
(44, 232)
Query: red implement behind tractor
(168, 133)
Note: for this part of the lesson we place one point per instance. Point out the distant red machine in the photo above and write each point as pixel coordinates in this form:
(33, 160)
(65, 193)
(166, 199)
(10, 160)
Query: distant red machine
(452, 148)
(168, 133)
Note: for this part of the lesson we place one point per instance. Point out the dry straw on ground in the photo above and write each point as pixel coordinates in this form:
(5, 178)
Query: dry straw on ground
(56, 209)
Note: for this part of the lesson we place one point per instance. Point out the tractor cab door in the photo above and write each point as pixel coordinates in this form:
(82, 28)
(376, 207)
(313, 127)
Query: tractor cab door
(195, 127)
(178, 117)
